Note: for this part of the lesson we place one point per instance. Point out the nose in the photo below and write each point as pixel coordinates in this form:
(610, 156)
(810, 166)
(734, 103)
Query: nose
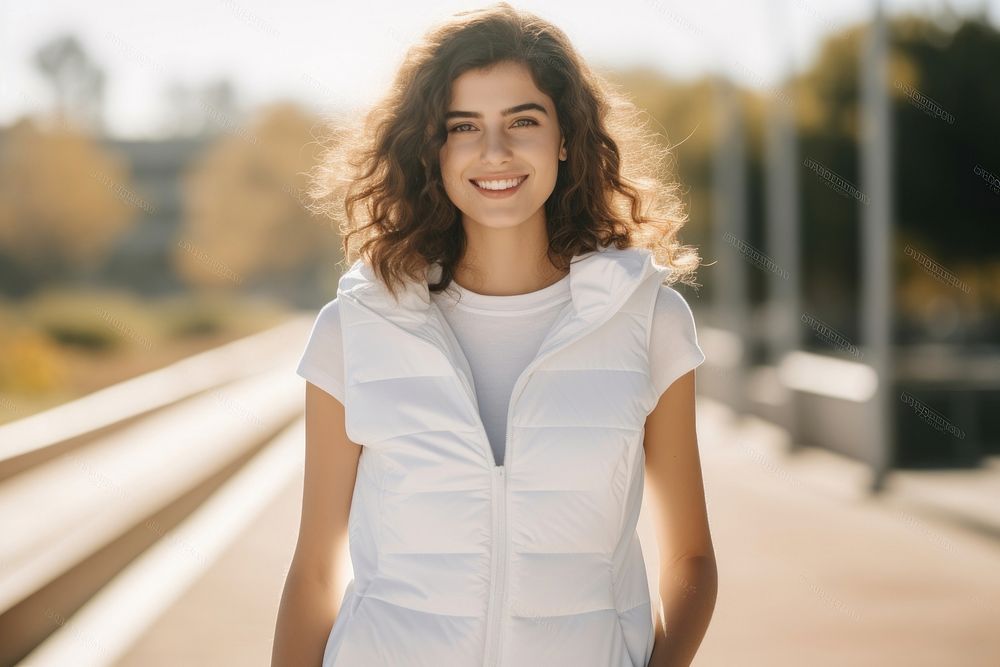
(496, 148)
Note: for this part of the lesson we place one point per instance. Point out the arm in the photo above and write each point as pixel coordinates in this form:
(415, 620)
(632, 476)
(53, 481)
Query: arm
(316, 578)
(688, 576)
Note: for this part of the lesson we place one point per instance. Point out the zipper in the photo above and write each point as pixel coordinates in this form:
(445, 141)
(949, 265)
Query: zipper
(498, 593)
(498, 571)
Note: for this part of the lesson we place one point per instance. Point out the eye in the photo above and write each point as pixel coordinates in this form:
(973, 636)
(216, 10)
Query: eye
(531, 122)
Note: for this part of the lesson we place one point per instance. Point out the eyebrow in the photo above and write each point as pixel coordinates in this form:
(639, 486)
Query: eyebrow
(533, 106)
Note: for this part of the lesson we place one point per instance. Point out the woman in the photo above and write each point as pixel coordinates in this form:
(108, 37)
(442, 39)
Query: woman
(502, 369)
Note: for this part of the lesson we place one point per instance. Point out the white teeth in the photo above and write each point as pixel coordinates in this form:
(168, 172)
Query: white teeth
(499, 185)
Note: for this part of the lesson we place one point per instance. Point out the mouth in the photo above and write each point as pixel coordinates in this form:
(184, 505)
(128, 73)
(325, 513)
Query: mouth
(498, 187)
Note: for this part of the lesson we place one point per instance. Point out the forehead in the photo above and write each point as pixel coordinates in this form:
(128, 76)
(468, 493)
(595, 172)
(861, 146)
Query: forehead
(499, 87)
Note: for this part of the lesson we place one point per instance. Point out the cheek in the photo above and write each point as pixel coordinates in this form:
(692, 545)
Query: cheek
(454, 157)
(449, 166)
(539, 142)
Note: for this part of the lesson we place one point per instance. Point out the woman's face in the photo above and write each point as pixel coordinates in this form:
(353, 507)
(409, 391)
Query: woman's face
(502, 132)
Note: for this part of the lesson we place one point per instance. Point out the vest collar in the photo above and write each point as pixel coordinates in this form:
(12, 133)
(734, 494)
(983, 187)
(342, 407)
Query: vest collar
(600, 281)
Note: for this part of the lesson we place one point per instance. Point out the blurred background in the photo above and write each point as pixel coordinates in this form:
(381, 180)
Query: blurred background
(159, 274)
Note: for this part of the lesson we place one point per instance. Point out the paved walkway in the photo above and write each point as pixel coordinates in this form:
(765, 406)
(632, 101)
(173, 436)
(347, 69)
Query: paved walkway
(815, 574)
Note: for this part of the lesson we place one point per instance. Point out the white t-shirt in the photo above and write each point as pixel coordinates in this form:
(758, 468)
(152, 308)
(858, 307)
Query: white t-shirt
(500, 335)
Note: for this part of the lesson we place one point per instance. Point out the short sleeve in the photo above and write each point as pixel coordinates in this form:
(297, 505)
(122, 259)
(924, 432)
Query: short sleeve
(322, 361)
(673, 340)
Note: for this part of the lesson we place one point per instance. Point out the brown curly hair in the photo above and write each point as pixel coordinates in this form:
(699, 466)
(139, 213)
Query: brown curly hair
(613, 189)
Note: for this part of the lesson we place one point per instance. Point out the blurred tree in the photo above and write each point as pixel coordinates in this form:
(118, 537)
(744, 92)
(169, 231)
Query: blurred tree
(246, 223)
(63, 202)
(684, 115)
(942, 202)
(77, 83)
(945, 104)
(826, 98)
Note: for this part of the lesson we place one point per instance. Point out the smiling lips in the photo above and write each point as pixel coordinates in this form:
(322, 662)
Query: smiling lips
(498, 184)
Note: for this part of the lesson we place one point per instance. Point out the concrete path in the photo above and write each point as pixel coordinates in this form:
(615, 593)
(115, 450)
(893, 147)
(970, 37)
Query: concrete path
(815, 574)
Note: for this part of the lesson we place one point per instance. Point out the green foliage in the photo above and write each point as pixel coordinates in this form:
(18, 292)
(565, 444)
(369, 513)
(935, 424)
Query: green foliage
(87, 335)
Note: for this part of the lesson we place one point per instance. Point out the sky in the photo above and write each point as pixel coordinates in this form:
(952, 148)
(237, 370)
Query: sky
(326, 54)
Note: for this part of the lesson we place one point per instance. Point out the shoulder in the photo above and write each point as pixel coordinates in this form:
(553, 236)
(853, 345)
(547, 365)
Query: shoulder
(321, 361)
(670, 305)
(672, 329)
(327, 320)
(674, 348)
(330, 310)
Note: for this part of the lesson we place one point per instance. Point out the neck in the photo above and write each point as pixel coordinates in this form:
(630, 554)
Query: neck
(508, 261)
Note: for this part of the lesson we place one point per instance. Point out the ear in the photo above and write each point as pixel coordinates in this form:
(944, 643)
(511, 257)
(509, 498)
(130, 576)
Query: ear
(562, 150)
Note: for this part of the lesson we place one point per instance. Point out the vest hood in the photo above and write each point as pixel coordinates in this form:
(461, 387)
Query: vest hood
(600, 281)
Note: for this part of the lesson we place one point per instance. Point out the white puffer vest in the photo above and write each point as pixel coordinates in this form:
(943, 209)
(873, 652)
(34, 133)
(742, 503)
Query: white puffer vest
(459, 562)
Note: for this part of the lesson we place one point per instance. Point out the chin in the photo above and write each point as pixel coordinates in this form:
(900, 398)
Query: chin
(499, 222)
